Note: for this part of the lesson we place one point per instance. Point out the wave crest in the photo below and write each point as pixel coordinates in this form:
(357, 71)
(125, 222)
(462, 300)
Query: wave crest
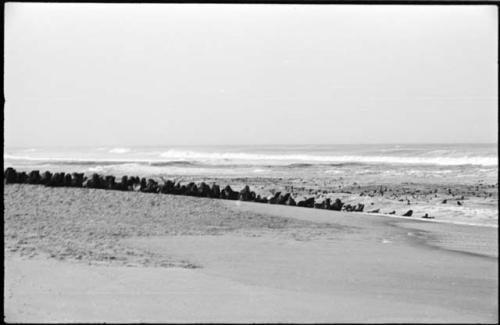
(302, 160)
(291, 160)
(119, 150)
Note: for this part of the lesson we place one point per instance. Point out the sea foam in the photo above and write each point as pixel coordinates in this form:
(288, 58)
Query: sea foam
(119, 150)
(291, 160)
(242, 157)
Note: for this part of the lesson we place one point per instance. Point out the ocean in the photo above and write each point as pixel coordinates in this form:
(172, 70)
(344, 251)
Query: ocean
(352, 168)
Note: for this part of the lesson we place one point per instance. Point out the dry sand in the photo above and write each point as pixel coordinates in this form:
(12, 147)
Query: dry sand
(136, 257)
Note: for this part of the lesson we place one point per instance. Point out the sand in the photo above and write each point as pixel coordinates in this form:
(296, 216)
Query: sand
(138, 257)
(479, 200)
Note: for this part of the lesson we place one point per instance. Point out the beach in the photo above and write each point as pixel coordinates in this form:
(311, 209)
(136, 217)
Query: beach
(450, 182)
(91, 255)
(250, 163)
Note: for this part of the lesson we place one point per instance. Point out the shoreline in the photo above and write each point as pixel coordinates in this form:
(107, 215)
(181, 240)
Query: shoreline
(369, 199)
(424, 226)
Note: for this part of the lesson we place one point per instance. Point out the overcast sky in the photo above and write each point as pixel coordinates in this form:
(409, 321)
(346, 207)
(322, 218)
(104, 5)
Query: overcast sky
(165, 74)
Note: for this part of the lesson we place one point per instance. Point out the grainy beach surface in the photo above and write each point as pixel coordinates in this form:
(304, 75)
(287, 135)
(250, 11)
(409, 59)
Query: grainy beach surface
(86, 255)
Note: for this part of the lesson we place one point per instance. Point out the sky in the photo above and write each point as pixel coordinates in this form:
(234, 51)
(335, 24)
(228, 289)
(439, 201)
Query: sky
(219, 74)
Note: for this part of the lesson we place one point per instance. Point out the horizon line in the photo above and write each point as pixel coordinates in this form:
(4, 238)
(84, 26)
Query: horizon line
(257, 144)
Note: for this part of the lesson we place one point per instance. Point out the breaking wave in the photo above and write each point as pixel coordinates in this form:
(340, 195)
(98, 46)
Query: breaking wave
(101, 162)
(119, 150)
(186, 158)
(305, 159)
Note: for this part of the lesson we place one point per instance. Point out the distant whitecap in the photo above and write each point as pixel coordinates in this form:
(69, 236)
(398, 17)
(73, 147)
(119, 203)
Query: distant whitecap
(119, 150)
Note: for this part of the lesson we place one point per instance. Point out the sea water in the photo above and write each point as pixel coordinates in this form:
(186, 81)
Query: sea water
(327, 165)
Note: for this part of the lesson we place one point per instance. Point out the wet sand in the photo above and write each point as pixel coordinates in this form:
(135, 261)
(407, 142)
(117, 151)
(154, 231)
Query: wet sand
(162, 258)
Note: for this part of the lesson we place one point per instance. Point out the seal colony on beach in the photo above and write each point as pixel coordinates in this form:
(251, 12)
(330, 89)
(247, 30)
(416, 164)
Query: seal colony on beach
(137, 184)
